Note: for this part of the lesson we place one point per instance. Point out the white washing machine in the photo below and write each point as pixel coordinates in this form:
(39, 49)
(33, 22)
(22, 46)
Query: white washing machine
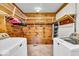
(64, 48)
(12, 46)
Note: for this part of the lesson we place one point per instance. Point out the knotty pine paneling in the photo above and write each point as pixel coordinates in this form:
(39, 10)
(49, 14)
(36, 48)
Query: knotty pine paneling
(29, 31)
(42, 26)
(14, 30)
(2, 24)
(43, 31)
(40, 18)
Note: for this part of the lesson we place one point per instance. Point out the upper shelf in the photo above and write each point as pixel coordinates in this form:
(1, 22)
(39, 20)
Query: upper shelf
(67, 16)
(9, 8)
(66, 19)
(3, 13)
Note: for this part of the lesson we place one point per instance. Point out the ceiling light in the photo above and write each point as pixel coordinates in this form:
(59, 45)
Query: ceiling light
(38, 9)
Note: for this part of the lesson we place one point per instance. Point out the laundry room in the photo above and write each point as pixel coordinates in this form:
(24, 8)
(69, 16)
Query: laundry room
(39, 29)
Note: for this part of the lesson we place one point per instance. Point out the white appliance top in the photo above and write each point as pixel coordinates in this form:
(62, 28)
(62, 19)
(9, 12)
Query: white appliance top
(7, 43)
(70, 46)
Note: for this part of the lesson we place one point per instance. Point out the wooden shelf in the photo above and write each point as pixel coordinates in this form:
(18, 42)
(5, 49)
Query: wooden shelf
(67, 19)
(9, 8)
(20, 14)
(5, 10)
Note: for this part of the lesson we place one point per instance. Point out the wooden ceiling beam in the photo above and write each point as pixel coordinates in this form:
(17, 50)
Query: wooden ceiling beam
(61, 7)
(17, 7)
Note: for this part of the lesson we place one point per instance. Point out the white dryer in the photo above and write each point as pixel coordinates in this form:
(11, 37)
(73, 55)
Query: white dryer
(12, 46)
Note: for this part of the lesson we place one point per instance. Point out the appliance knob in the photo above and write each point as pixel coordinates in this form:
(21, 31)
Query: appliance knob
(20, 45)
(58, 43)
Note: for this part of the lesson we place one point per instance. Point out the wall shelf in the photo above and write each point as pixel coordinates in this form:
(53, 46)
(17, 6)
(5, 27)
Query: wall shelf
(67, 19)
(9, 8)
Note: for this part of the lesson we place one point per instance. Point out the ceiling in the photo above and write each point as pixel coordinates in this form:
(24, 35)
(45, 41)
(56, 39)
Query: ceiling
(39, 7)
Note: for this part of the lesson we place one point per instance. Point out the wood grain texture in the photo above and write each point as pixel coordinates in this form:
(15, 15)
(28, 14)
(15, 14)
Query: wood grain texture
(14, 30)
(9, 8)
(66, 19)
(40, 18)
(2, 24)
(41, 26)
(44, 31)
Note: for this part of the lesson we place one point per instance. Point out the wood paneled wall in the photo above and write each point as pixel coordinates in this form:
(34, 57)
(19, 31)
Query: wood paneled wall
(2, 23)
(42, 26)
(44, 31)
(40, 18)
(14, 30)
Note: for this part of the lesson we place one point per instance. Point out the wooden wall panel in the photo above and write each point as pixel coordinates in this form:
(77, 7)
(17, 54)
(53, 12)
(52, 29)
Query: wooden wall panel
(40, 18)
(42, 26)
(30, 30)
(42, 30)
(2, 24)
(40, 14)
(14, 30)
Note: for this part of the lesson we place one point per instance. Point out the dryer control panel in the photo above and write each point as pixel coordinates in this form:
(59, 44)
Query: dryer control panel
(3, 36)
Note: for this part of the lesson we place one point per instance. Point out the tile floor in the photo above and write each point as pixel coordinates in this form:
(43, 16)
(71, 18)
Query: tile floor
(40, 50)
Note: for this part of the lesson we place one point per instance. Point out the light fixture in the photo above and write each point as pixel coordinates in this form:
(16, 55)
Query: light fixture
(38, 9)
